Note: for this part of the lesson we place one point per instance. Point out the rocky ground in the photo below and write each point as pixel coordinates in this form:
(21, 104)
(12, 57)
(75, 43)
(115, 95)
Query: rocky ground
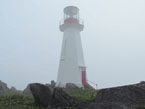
(123, 97)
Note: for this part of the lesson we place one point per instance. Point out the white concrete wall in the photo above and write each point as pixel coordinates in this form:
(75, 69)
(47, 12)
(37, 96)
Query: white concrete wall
(71, 58)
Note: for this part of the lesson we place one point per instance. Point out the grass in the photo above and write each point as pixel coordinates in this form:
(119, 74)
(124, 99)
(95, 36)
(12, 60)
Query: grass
(86, 95)
(13, 100)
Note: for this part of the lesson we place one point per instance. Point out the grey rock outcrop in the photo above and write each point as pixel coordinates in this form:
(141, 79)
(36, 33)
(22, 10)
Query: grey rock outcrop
(45, 97)
(70, 87)
(124, 97)
(125, 94)
(61, 99)
(141, 84)
(107, 106)
(42, 94)
(13, 89)
(3, 87)
(27, 90)
(52, 85)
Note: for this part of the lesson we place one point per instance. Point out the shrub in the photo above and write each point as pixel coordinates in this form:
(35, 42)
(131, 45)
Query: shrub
(86, 95)
(11, 99)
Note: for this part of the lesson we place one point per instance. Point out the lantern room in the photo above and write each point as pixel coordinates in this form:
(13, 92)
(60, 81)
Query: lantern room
(71, 15)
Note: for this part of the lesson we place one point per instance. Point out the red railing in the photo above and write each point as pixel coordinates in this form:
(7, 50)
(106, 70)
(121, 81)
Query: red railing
(84, 81)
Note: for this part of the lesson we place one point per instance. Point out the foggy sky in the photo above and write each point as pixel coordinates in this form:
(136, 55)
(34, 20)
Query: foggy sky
(113, 40)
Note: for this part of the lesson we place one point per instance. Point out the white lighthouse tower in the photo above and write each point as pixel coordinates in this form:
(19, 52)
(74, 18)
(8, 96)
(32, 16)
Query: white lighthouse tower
(72, 67)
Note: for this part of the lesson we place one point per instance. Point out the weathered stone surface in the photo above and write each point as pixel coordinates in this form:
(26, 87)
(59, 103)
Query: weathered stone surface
(69, 87)
(52, 85)
(107, 106)
(62, 99)
(42, 94)
(27, 90)
(141, 84)
(3, 87)
(126, 95)
(13, 89)
(95, 105)
(111, 98)
(81, 105)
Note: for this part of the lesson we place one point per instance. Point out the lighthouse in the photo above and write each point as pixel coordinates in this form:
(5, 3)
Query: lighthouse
(72, 68)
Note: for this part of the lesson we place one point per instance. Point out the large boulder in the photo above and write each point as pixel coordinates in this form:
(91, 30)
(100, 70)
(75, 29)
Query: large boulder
(3, 87)
(28, 91)
(45, 96)
(125, 95)
(42, 94)
(61, 99)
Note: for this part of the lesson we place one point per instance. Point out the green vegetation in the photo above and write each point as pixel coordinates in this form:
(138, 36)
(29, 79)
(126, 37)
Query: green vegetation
(86, 95)
(13, 100)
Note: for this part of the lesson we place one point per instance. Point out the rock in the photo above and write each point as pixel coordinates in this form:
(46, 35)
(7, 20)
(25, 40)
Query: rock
(141, 84)
(61, 99)
(69, 87)
(50, 87)
(27, 90)
(125, 95)
(13, 89)
(44, 96)
(95, 105)
(41, 93)
(81, 105)
(53, 84)
(107, 106)
(3, 87)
